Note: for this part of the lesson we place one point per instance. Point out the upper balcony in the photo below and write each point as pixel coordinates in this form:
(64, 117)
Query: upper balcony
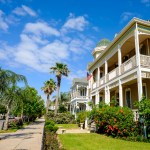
(78, 95)
(122, 60)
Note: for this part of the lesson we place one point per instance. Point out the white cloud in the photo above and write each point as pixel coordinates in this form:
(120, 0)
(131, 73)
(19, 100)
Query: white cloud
(24, 10)
(146, 2)
(126, 16)
(39, 28)
(75, 23)
(38, 50)
(3, 25)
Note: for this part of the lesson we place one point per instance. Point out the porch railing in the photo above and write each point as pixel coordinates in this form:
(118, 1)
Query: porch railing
(94, 85)
(113, 74)
(145, 61)
(77, 95)
(102, 80)
(128, 65)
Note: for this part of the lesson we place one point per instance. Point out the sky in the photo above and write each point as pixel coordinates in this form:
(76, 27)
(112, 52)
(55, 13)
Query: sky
(35, 34)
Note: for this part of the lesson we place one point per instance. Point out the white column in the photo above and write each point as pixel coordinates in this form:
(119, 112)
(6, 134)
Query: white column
(106, 70)
(98, 76)
(97, 98)
(120, 94)
(139, 79)
(119, 59)
(106, 94)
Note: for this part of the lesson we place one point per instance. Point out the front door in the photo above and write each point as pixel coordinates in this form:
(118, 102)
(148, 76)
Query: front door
(128, 98)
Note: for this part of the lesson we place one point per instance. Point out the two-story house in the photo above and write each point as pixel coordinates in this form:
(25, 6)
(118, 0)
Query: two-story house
(122, 68)
(79, 95)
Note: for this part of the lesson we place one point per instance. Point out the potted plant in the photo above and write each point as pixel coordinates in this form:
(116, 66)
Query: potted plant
(81, 116)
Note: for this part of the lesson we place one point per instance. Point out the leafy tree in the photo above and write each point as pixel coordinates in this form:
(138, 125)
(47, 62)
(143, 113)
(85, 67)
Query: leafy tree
(59, 69)
(2, 109)
(49, 88)
(9, 89)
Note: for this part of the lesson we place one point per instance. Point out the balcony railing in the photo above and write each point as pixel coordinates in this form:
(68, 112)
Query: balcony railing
(77, 95)
(94, 85)
(113, 74)
(128, 65)
(102, 80)
(145, 61)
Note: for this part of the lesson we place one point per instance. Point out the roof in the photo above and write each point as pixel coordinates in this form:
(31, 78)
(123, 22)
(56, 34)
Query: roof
(125, 29)
(103, 42)
(81, 80)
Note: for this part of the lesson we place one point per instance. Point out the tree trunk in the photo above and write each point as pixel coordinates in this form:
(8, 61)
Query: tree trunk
(47, 103)
(22, 113)
(56, 102)
(7, 118)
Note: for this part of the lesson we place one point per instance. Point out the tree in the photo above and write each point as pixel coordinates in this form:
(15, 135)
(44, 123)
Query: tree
(59, 69)
(49, 88)
(8, 89)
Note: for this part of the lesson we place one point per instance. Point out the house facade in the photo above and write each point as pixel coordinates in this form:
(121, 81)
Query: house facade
(121, 69)
(79, 95)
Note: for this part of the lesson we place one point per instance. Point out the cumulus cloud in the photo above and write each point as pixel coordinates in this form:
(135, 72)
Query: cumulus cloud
(146, 2)
(3, 24)
(39, 28)
(126, 16)
(41, 45)
(24, 10)
(75, 23)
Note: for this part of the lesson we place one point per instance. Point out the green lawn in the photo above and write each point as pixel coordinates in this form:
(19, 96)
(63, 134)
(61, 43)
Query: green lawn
(68, 126)
(98, 142)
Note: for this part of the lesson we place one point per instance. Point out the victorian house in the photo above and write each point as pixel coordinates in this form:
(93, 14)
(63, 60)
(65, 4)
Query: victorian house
(79, 95)
(121, 68)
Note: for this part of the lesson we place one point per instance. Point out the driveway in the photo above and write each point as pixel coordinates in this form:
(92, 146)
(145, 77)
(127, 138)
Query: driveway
(29, 138)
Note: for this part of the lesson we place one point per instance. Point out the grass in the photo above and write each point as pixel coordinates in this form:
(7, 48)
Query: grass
(68, 126)
(8, 131)
(95, 141)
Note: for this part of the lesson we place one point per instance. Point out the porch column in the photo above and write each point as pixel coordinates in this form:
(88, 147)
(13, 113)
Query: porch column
(98, 76)
(120, 94)
(97, 98)
(106, 70)
(139, 79)
(119, 59)
(107, 95)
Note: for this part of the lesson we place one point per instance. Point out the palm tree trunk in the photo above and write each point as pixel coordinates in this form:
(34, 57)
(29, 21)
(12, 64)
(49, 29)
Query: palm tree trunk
(7, 118)
(47, 103)
(56, 102)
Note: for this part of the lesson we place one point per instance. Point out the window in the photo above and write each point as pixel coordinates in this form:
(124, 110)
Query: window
(143, 49)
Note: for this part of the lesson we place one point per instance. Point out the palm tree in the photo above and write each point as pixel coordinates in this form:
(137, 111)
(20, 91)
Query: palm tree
(49, 88)
(59, 69)
(8, 89)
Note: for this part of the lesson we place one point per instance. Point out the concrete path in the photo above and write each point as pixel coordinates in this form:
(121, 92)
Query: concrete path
(29, 138)
(63, 131)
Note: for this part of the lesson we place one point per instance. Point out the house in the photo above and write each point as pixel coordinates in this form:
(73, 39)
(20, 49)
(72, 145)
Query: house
(121, 68)
(79, 95)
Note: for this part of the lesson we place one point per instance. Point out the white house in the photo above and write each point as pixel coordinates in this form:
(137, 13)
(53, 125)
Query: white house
(79, 95)
(122, 68)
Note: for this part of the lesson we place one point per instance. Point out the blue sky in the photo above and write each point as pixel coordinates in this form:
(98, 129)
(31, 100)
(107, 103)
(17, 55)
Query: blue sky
(34, 34)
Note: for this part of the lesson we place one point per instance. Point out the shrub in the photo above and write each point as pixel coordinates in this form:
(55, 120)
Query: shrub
(114, 121)
(81, 116)
(15, 124)
(61, 118)
(50, 126)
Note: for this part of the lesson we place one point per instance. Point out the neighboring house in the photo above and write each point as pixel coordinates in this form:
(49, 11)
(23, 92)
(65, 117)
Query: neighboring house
(121, 69)
(79, 95)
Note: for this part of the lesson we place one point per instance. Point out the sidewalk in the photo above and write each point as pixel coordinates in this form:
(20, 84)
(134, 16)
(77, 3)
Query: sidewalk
(29, 138)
